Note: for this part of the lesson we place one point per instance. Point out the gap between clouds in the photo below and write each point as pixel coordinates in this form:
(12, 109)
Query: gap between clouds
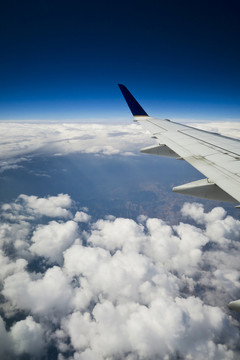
(117, 288)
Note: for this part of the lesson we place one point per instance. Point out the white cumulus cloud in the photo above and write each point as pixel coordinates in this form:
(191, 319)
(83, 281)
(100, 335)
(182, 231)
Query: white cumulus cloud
(52, 239)
(28, 337)
(53, 206)
(82, 216)
(121, 288)
(30, 206)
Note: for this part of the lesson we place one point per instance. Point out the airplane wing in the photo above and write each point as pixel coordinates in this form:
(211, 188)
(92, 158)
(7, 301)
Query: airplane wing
(217, 157)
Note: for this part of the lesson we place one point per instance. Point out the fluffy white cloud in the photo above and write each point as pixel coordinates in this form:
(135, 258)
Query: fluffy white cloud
(164, 329)
(51, 240)
(49, 295)
(13, 233)
(196, 212)
(123, 289)
(8, 267)
(117, 234)
(53, 206)
(28, 337)
(178, 248)
(27, 207)
(82, 216)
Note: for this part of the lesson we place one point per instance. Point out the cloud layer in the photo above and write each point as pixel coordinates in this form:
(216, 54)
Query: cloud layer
(117, 288)
(18, 141)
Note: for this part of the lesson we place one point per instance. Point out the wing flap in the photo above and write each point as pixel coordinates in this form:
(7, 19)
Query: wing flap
(161, 150)
(204, 189)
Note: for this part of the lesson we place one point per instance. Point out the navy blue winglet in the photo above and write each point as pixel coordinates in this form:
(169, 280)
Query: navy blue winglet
(134, 106)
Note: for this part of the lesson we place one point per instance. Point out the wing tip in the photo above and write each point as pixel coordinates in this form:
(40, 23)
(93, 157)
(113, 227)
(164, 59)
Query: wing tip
(134, 106)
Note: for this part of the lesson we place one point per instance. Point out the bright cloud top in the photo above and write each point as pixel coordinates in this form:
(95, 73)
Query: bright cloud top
(20, 140)
(227, 128)
(117, 288)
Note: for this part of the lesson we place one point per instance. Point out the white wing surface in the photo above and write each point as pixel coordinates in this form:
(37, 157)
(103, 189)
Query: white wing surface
(216, 157)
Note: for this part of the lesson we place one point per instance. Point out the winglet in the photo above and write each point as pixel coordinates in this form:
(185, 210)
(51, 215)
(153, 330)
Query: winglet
(134, 106)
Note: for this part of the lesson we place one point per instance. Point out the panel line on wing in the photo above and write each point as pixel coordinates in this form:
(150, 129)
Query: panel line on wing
(207, 142)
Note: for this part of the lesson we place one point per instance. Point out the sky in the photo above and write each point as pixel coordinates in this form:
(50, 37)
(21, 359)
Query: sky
(62, 60)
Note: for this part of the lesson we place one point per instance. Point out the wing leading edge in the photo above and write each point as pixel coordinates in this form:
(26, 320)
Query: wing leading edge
(216, 157)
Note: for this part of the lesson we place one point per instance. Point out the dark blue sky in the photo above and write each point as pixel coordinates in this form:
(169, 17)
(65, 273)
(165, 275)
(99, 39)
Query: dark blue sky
(63, 59)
